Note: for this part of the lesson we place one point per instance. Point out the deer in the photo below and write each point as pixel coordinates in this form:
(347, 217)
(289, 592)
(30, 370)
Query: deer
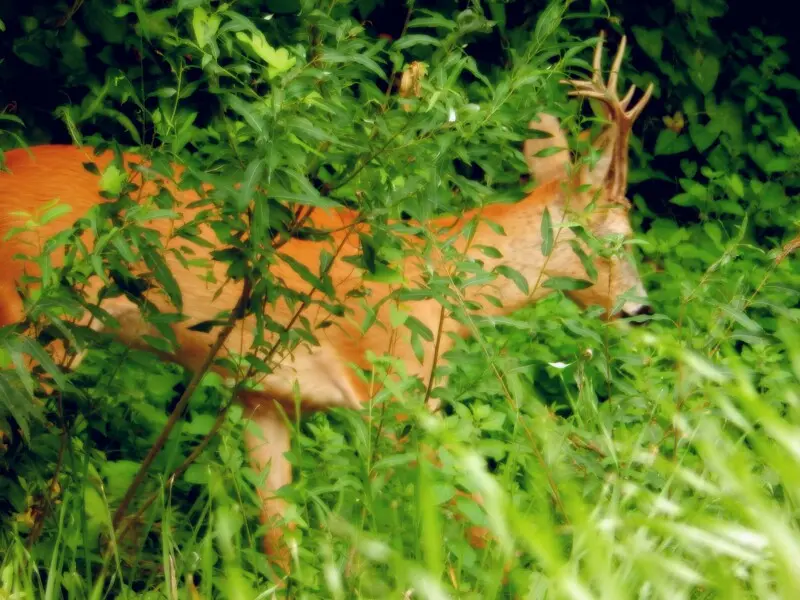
(326, 375)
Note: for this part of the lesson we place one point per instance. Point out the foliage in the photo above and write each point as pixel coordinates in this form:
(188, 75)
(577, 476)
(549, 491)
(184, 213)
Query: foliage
(612, 460)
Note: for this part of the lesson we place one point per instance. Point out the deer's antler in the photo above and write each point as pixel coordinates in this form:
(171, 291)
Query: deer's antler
(617, 111)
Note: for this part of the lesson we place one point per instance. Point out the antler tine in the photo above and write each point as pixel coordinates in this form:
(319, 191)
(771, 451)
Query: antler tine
(639, 106)
(597, 60)
(597, 72)
(613, 76)
(621, 119)
(628, 97)
(580, 83)
(589, 94)
(606, 92)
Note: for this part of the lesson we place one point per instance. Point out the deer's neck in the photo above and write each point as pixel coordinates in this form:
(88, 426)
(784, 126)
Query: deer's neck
(520, 246)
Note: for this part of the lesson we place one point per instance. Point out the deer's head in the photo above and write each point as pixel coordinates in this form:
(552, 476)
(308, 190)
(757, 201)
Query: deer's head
(594, 190)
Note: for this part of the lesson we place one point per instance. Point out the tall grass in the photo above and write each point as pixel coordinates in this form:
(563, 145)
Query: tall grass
(676, 477)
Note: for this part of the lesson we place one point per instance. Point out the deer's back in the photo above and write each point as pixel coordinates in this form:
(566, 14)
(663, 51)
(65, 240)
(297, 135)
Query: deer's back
(45, 173)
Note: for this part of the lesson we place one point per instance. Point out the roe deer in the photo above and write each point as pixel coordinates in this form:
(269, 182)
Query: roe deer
(323, 373)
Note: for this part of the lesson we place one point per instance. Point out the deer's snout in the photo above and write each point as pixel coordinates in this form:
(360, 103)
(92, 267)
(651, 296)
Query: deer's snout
(635, 309)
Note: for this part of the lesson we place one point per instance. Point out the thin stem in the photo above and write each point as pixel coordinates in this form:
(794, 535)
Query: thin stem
(236, 314)
(435, 355)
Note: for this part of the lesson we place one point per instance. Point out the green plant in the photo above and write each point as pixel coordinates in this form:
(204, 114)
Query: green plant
(611, 460)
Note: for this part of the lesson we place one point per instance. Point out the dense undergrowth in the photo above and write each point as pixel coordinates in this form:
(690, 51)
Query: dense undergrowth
(653, 459)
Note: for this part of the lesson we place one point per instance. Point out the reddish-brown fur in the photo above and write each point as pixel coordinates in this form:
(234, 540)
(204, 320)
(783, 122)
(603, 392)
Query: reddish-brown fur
(324, 373)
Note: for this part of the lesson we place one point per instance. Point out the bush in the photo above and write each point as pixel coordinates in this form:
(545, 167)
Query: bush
(612, 460)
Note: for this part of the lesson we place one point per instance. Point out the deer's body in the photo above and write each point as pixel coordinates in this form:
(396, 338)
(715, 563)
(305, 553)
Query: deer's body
(323, 373)
(44, 173)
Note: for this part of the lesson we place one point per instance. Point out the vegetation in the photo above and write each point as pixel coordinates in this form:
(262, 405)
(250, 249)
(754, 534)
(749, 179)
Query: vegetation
(613, 460)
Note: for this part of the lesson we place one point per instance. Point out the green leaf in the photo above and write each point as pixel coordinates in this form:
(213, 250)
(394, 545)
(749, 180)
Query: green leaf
(304, 272)
(740, 317)
(505, 322)
(586, 261)
(123, 120)
(122, 10)
(197, 474)
(704, 72)
(121, 245)
(689, 167)
(12, 118)
(787, 81)
(431, 19)
(549, 151)
(279, 61)
(772, 196)
(384, 274)
(200, 425)
(96, 511)
(702, 135)
(310, 198)
(112, 180)
(669, 142)
(15, 401)
(417, 348)
(97, 264)
(736, 184)
(548, 22)
(431, 527)
(397, 316)
(305, 126)
(204, 26)
(248, 112)
(411, 40)
(166, 92)
(566, 284)
(335, 57)
(728, 117)
(32, 51)
(32, 348)
(260, 224)
(496, 227)
(418, 327)
(59, 210)
(252, 176)
(704, 367)
(159, 344)
(118, 475)
(714, 231)
(547, 233)
(498, 12)
(578, 329)
(514, 276)
(649, 40)
(489, 251)
(163, 276)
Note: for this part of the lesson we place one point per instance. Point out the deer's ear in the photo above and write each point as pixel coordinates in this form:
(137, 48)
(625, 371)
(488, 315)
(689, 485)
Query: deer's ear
(596, 169)
(547, 154)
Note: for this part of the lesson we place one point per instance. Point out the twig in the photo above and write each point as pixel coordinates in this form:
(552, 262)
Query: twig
(125, 528)
(236, 314)
(48, 500)
(435, 355)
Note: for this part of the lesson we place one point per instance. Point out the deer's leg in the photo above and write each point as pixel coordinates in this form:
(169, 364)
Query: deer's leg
(268, 440)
